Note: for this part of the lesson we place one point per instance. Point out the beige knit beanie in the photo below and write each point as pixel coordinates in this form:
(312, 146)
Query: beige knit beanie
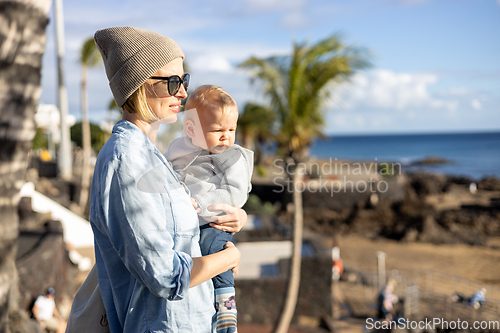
(131, 56)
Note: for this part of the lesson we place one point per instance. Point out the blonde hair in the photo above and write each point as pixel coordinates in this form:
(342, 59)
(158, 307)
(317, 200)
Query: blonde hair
(208, 97)
(138, 103)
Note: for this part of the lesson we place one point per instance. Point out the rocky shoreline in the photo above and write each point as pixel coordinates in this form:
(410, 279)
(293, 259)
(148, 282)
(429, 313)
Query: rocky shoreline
(368, 201)
(372, 202)
(436, 209)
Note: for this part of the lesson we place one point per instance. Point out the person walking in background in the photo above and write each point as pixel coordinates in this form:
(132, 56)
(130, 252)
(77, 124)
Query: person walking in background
(46, 313)
(386, 301)
(337, 264)
(151, 273)
(214, 170)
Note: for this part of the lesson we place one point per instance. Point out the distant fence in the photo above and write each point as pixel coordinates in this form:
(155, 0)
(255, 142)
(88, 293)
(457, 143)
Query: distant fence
(430, 280)
(427, 293)
(434, 285)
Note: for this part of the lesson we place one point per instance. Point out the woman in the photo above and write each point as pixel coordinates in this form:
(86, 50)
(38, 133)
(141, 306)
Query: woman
(149, 265)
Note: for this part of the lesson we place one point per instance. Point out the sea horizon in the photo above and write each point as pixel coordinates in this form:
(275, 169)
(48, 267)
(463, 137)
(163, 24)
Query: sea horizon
(471, 154)
(444, 132)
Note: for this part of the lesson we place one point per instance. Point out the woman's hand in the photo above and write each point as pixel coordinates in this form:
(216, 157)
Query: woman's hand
(206, 267)
(234, 220)
(236, 268)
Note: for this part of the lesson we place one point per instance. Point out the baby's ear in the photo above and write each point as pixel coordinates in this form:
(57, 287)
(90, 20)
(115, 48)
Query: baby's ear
(190, 128)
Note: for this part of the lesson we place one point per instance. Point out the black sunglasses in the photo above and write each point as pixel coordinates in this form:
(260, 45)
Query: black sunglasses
(173, 83)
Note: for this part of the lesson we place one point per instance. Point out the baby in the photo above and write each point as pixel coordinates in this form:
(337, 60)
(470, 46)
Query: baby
(215, 170)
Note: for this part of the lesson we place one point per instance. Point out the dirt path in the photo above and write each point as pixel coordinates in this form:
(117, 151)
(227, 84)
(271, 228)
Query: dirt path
(481, 264)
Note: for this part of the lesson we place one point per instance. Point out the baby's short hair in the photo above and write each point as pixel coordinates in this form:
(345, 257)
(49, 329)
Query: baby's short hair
(208, 96)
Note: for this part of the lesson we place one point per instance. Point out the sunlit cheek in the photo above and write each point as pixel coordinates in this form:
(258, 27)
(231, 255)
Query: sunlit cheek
(213, 140)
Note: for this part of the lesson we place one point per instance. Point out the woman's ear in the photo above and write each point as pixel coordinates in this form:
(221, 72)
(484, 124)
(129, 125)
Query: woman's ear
(190, 128)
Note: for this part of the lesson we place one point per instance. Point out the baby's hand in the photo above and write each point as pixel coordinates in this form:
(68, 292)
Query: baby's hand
(195, 205)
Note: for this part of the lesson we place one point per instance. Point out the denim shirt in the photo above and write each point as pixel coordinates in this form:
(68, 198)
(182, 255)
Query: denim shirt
(146, 232)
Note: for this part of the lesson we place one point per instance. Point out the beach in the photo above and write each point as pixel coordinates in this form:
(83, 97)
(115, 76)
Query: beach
(425, 222)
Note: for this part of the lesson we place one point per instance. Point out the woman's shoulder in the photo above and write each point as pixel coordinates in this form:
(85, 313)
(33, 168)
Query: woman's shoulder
(126, 138)
(127, 146)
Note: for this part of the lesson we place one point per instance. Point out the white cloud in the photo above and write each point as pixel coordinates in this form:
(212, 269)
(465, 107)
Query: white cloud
(385, 89)
(295, 19)
(381, 101)
(456, 92)
(235, 82)
(234, 51)
(272, 5)
(210, 62)
(293, 11)
(476, 105)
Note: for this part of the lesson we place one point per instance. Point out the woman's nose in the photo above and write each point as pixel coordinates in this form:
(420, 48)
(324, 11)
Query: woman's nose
(182, 93)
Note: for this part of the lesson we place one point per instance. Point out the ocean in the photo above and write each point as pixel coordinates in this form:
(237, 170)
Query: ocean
(474, 155)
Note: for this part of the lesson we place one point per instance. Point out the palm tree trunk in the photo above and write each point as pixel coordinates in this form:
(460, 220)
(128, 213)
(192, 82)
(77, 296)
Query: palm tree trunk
(248, 141)
(294, 276)
(22, 44)
(84, 189)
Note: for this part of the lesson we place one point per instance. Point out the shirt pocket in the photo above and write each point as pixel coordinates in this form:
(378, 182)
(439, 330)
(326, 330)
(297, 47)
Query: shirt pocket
(185, 217)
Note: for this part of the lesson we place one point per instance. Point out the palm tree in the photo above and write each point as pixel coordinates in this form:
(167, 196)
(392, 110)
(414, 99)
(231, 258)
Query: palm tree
(255, 128)
(299, 87)
(89, 57)
(22, 44)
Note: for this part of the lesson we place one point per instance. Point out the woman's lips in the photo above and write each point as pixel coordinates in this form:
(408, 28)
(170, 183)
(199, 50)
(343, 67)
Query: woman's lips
(176, 108)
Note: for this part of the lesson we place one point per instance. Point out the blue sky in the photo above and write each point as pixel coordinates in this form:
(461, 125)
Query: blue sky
(436, 63)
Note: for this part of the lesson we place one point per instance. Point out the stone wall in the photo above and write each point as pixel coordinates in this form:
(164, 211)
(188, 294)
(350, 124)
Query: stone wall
(42, 258)
(261, 301)
(46, 265)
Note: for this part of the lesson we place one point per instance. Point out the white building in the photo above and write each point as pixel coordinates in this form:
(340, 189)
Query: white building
(47, 117)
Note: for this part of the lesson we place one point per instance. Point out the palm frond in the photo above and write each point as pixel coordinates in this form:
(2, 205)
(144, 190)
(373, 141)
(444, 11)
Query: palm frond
(269, 72)
(89, 55)
(299, 86)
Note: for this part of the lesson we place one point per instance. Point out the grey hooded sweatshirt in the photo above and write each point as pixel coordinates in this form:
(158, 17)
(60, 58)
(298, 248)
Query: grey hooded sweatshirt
(212, 178)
